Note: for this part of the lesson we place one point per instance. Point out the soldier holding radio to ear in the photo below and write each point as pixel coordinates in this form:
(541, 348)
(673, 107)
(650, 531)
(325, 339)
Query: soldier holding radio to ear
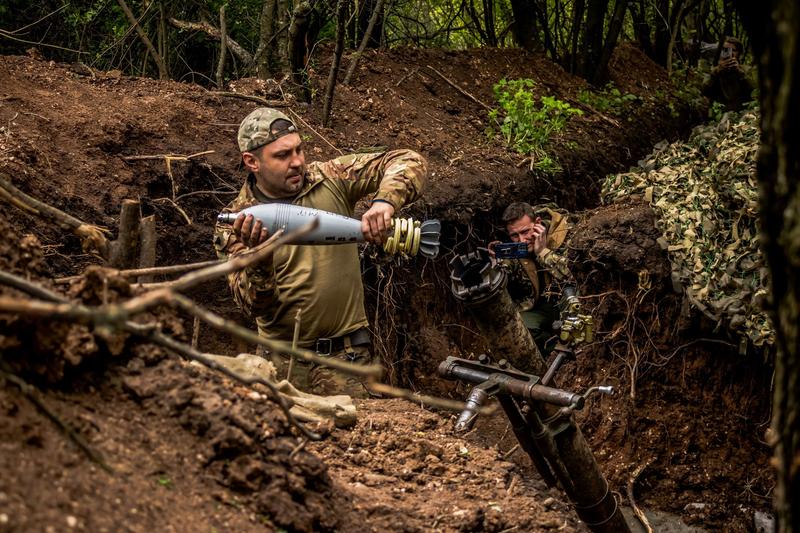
(534, 263)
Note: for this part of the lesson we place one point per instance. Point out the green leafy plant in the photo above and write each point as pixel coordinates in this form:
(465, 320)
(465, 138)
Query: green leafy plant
(716, 110)
(609, 99)
(527, 124)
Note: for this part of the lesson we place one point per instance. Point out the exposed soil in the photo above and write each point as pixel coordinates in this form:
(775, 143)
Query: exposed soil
(190, 450)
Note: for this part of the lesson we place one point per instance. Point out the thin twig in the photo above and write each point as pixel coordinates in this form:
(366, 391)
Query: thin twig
(457, 88)
(195, 331)
(199, 193)
(174, 157)
(150, 271)
(318, 134)
(406, 76)
(432, 401)
(252, 98)
(27, 287)
(637, 511)
(29, 392)
(298, 448)
(177, 207)
(510, 452)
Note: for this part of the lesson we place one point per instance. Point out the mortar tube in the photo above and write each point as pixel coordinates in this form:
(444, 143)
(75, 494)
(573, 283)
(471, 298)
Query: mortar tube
(526, 441)
(481, 286)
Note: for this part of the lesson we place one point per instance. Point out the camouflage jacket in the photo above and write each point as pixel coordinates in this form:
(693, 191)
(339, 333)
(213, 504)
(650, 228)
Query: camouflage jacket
(532, 279)
(323, 283)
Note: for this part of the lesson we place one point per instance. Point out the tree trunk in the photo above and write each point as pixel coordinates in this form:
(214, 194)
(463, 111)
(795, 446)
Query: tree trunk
(592, 38)
(163, 36)
(614, 26)
(351, 68)
(488, 22)
(282, 18)
(575, 33)
(774, 26)
(163, 74)
(341, 16)
(540, 8)
(297, 47)
(473, 15)
(525, 29)
(371, 16)
(223, 49)
(265, 52)
(661, 41)
(641, 28)
(676, 30)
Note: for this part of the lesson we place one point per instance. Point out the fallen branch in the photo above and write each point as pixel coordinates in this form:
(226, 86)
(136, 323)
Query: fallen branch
(636, 510)
(153, 271)
(92, 237)
(276, 346)
(590, 109)
(208, 29)
(457, 88)
(173, 157)
(253, 98)
(29, 392)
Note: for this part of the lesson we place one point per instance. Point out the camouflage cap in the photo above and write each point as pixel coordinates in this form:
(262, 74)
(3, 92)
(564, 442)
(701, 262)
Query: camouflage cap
(257, 129)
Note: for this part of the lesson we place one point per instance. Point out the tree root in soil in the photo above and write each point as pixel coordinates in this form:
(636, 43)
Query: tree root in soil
(30, 392)
(636, 510)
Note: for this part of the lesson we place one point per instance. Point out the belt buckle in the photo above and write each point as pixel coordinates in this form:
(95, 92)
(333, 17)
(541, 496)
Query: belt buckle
(322, 343)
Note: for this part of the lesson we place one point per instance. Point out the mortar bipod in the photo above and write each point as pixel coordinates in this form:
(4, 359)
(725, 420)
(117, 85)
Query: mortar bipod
(511, 386)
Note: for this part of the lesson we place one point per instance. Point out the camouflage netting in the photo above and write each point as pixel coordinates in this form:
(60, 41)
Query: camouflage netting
(705, 195)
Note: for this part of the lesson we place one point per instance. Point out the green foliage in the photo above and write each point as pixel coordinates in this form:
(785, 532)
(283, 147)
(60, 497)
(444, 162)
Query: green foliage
(607, 100)
(525, 124)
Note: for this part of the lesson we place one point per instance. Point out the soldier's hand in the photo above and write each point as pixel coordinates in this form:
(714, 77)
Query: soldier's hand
(491, 246)
(728, 63)
(249, 230)
(376, 222)
(539, 233)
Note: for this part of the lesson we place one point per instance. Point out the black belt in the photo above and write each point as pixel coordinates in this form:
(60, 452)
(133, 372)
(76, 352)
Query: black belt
(326, 346)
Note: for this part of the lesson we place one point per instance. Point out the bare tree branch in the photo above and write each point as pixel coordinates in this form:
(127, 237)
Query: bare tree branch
(204, 27)
(162, 67)
(351, 68)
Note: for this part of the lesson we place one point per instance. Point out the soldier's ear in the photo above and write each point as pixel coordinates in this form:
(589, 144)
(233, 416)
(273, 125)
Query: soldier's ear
(250, 161)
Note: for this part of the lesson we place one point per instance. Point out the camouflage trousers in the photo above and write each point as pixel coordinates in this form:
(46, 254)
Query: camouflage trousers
(539, 322)
(325, 381)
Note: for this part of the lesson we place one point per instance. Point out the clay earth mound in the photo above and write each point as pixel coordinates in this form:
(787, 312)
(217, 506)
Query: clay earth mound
(191, 450)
